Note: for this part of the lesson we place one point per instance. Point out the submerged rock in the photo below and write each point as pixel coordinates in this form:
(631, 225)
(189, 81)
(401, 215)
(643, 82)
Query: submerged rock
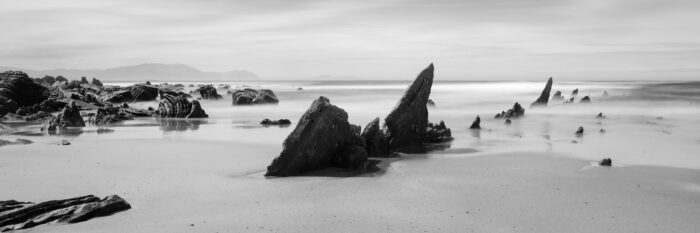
(179, 107)
(544, 97)
(375, 140)
(515, 112)
(579, 131)
(251, 96)
(406, 125)
(16, 215)
(208, 92)
(585, 100)
(437, 133)
(476, 124)
(322, 138)
(607, 162)
(431, 103)
(277, 122)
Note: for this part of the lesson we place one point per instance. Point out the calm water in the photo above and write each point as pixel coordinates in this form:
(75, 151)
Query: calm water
(636, 135)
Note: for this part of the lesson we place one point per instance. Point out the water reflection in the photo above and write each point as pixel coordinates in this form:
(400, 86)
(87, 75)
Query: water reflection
(170, 124)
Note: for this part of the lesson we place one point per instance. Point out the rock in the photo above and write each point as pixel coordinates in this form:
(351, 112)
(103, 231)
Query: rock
(406, 125)
(437, 133)
(574, 93)
(179, 107)
(69, 117)
(602, 131)
(251, 96)
(515, 112)
(585, 100)
(18, 141)
(277, 122)
(544, 97)
(605, 93)
(322, 138)
(97, 82)
(65, 142)
(61, 79)
(208, 92)
(109, 115)
(148, 83)
(508, 122)
(476, 124)
(579, 132)
(39, 116)
(375, 140)
(300, 89)
(141, 92)
(600, 116)
(16, 215)
(120, 96)
(83, 80)
(431, 103)
(17, 89)
(570, 101)
(607, 162)
(557, 96)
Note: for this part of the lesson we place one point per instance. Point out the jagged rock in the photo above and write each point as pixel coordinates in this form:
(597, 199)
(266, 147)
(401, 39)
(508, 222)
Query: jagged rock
(574, 93)
(16, 88)
(83, 80)
(557, 96)
(179, 107)
(120, 96)
(375, 140)
(65, 142)
(476, 124)
(406, 125)
(585, 100)
(46, 80)
(69, 117)
(251, 96)
(544, 97)
(322, 138)
(607, 162)
(141, 92)
(277, 122)
(109, 115)
(16, 215)
(208, 92)
(515, 112)
(39, 116)
(18, 141)
(436, 133)
(431, 103)
(579, 132)
(600, 116)
(97, 82)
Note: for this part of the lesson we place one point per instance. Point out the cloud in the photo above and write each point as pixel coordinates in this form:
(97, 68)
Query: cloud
(379, 39)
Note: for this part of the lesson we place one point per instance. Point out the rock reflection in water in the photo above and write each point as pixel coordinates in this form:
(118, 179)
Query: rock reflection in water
(170, 124)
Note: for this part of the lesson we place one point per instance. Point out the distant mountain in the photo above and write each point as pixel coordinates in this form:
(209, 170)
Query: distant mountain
(144, 72)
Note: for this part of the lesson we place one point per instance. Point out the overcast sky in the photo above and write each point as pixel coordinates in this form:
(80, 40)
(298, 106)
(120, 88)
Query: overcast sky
(377, 39)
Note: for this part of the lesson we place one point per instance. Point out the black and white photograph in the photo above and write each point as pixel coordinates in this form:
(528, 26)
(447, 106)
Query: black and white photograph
(216, 116)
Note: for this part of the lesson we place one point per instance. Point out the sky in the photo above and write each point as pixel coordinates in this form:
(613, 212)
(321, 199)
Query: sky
(377, 39)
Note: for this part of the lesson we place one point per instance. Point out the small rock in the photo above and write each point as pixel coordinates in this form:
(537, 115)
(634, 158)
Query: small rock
(579, 132)
(508, 122)
(431, 103)
(65, 142)
(602, 131)
(515, 112)
(607, 162)
(476, 124)
(277, 122)
(585, 100)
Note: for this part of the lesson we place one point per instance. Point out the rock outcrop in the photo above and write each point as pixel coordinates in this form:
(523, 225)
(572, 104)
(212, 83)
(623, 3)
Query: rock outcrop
(375, 140)
(251, 96)
(476, 124)
(585, 100)
(544, 97)
(110, 114)
(69, 117)
(15, 215)
(406, 125)
(275, 122)
(606, 162)
(515, 112)
(437, 133)
(322, 138)
(574, 93)
(208, 92)
(18, 90)
(179, 107)
(557, 96)
(97, 82)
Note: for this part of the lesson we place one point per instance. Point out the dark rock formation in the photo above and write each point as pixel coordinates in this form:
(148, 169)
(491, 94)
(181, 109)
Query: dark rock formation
(436, 133)
(140, 92)
(17, 89)
(579, 131)
(47, 80)
(585, 100)
(16, 215)
(109, 115)
(252, 96)
(544, 97)
(277, 122)
(476, 124)
(179, 107)
(600, 116)
(406, 125)
(508, 121)
(375, 140)
(119, 97)
(208, 92)
(515, 112)
(69, 117)
(431, 103)
(97, 82)
(18, 141)
(607, 162)
(83, 80)
(322, 138)
(602, 131)
(574, 93)
(557, 96)
(61, 79)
